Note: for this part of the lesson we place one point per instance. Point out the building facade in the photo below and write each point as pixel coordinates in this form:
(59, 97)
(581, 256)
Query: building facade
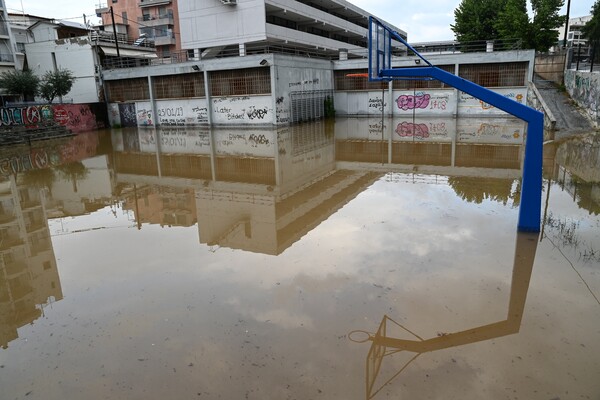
(153, 20)
(217, 27)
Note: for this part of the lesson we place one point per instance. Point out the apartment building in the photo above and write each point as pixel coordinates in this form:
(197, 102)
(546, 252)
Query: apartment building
(152, 20)
(7, 48)
(324, 27)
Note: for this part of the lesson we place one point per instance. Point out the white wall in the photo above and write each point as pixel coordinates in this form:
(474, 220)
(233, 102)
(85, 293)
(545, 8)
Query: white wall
(209, 23)
(292, 77)
(75, 55)
(422, 102)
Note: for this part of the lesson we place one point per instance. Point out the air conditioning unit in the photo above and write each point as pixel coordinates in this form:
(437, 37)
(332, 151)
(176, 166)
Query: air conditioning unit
(229, 2)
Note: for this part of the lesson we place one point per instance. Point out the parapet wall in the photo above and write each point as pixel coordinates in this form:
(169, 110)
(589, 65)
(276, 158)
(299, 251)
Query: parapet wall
(584, 88)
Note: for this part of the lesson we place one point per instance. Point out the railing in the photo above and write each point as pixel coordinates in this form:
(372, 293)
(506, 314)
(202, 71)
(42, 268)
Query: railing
(109, 37)
(5, 57)
(150, 3)
(311, 52)
(152, 17)
(583, 58)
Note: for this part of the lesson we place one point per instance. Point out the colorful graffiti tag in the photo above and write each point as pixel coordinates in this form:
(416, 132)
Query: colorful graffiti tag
(76, 117)
(409, 102)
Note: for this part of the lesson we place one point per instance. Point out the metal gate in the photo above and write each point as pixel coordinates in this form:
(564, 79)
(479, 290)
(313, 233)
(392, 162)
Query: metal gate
(309, 105)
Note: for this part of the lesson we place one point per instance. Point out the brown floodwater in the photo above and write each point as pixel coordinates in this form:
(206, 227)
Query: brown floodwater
(248, 263)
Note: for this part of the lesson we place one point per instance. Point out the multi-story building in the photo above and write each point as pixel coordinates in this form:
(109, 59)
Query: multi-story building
(228, 26)
(7, 47)
(152, 20)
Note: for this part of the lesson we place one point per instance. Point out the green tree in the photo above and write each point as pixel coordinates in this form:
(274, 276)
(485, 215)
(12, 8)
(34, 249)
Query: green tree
(508, 19)
(591, 30)
(512, 21)
(545, 24)
(23, 83)
(56, 84)
(475, 19)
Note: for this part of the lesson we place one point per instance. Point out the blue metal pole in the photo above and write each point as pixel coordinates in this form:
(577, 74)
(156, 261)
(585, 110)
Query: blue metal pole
(531, 188)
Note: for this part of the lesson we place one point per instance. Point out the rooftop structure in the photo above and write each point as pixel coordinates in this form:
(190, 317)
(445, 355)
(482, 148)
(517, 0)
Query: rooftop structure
(215, 27)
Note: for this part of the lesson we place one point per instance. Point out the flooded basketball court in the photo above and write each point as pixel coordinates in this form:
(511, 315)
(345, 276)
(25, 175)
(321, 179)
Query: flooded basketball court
(235, 263)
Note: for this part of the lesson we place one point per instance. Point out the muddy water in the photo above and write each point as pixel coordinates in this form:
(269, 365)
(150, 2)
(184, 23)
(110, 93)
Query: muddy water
(233, 264)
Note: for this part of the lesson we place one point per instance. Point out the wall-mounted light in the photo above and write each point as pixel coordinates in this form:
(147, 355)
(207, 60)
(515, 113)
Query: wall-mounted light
(196, 68)
(264, 62)
(417, 61)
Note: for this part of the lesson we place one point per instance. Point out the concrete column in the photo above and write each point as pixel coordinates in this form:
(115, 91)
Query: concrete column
(208, 98)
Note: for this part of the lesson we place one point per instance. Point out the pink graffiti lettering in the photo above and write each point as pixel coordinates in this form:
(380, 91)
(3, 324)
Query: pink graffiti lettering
(408, 129)
(409, 102)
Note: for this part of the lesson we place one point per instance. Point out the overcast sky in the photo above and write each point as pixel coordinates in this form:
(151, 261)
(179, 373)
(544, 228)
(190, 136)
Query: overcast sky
(423, 20)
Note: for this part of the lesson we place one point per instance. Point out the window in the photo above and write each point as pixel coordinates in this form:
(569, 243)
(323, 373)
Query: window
(47, 265)
(124, 16)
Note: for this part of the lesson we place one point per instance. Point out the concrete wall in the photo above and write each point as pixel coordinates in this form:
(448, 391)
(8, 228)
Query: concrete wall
(76, 55)
(290, 76)
(584, 88)
(421, 102)
(551, 67)
(209, 23)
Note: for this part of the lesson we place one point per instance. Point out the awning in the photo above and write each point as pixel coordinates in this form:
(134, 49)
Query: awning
(112, 51)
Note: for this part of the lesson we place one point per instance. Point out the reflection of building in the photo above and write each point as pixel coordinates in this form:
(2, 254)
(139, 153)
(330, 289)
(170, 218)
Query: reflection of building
(489, 147)
(258, 190)
(161, 205)
(28, 273)
(263, 189)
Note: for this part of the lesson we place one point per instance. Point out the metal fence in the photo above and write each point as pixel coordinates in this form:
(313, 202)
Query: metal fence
(584, 57)
(310, 105)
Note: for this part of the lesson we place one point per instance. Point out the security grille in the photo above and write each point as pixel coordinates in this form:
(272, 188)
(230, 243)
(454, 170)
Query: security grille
(309, 105)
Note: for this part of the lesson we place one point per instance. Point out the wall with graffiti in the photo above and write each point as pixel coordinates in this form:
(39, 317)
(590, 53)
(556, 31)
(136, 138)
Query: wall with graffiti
(75, 117)
(469, 105)
(423, 102)
(584, 88)
(62, 151)
(226, 110)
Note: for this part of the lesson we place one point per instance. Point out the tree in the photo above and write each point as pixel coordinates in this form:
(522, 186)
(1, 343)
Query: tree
(591, 30)
(475, 19)
(512, 21)
(24, 83)
(508, 19)
(56, 84)
(546, 21)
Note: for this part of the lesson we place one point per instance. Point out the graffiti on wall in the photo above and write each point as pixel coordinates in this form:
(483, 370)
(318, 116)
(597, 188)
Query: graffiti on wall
(468, 104)
(242, 109)
(499, 131)
(75, 149)
(584, 88)
(432, 102)
(128, 115)
(76, 117)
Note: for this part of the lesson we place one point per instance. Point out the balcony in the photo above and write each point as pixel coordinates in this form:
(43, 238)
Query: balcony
(35, 226)
(153, 3)
(6, 218)
(15, 269)
(7, 58)
(9, 242)
(30, 203)
(164, 40)
(19, 291)
(157, 20)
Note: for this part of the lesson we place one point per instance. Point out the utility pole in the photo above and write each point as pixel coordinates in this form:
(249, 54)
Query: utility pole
(112, 17)
(567, 23)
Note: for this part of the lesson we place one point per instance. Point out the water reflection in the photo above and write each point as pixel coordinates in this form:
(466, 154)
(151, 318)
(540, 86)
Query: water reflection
(29, 278)
(384, 344)
(261, 190)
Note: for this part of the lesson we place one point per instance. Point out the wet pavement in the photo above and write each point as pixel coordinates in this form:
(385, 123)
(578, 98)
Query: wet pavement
(232, 264)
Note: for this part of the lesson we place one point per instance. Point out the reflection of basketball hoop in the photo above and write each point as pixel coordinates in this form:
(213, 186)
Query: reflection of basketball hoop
(358, 336)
